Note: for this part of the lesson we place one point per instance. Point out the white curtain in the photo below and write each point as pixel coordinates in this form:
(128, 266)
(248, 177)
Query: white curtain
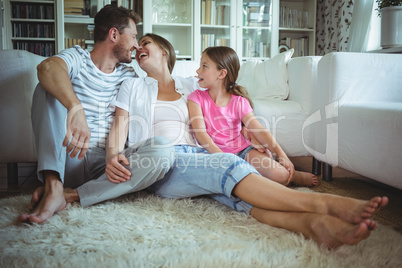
(363, 27)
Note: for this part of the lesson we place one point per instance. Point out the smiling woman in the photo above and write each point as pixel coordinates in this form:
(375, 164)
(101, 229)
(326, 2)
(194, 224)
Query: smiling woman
(165, 47)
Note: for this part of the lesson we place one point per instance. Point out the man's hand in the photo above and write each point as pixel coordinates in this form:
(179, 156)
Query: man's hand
(78, 134)
(115, 171)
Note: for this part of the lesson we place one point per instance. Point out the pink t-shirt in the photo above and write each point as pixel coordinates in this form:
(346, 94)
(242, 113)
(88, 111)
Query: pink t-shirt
(224, 123)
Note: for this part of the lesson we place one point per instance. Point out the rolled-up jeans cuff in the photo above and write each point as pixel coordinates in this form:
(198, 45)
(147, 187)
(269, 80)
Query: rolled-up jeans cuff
(235, 173)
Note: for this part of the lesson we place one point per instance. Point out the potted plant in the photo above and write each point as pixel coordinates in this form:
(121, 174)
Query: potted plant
(391, 22)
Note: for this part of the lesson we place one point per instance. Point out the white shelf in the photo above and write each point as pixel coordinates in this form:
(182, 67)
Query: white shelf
(39, 39)
(296, 29)
(32, 20)
(215, 26)
(167, 25)
(256, 28)
(387, 50)
(78, 20)
(33, 1)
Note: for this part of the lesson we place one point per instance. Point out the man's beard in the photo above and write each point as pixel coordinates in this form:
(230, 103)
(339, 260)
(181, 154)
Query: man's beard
(120, 52)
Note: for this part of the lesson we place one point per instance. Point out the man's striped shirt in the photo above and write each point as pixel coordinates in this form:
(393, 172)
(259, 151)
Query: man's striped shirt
(95, 90)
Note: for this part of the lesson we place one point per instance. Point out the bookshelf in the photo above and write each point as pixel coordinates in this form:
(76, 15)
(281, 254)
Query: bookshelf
(297, 26)
(246, 26)
(172, 19)
(76, 20)
(256, 29)
(31, 25)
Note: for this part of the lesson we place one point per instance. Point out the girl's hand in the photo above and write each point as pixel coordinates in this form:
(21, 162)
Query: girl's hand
(256, 144)
(285, 162)
(116, 171)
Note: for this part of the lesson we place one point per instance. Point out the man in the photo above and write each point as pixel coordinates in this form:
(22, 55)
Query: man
(75, 89)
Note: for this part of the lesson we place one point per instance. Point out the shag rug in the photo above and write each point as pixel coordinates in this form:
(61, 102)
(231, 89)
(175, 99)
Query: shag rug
(142, 230)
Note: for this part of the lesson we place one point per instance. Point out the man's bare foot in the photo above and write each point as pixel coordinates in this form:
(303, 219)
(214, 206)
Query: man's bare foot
(305, 179)
(334, 232)
(36, 197)
(45, 203)
(355, 211)
(71, 195)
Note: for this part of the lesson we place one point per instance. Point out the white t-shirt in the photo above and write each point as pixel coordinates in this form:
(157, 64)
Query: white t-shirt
(95, 90)
(138, 96)
(172, 122)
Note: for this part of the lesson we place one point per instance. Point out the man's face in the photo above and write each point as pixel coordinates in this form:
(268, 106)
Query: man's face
(126, 44)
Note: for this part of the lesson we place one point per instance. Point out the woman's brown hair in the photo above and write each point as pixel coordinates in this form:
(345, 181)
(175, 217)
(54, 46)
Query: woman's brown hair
(166, 46)
(226, 58)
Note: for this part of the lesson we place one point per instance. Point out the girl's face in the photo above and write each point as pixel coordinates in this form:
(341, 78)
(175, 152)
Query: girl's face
(149, 53)
(208, 73)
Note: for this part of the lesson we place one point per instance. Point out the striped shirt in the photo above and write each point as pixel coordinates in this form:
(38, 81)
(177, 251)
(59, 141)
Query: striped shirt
(95, 90)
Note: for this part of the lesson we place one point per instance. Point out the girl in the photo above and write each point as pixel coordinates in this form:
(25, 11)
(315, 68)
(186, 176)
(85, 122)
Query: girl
(157, 105)
(217, 114)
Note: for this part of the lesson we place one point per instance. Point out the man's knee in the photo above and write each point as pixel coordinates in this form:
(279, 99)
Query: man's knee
(161, 141)
(156, 153)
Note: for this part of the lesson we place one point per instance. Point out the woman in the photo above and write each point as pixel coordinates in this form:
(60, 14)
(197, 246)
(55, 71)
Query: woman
(156, 105)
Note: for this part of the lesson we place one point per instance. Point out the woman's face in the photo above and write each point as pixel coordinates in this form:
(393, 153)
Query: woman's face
(149, 54)
(208, 72)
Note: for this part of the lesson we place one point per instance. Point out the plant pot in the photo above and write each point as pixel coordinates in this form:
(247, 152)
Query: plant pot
(391, 27)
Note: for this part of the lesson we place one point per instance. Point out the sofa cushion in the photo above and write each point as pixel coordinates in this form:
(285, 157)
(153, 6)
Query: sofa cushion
(284, 119)
(267, 79)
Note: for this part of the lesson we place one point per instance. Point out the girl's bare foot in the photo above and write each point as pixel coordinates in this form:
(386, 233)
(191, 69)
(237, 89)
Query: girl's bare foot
(355, 211)
(305, 179)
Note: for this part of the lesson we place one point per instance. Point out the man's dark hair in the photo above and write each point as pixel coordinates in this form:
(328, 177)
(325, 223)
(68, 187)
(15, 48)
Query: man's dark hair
(111, 16)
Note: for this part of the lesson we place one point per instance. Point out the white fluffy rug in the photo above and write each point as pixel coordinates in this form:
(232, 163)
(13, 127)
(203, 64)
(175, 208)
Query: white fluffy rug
(142, 230)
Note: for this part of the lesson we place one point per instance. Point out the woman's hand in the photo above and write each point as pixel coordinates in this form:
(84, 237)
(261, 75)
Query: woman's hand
(116, 171)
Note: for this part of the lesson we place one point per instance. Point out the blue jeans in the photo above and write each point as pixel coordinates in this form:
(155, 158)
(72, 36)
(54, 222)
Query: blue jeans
(196, 172)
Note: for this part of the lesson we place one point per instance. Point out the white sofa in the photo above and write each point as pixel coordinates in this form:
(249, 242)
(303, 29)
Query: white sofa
(356, 122)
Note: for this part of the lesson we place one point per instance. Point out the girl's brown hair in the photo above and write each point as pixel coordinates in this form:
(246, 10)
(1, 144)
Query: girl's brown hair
(226, 58)
(166, 46)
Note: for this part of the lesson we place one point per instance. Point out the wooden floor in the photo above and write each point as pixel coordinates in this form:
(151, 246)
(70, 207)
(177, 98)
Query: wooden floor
(27, 178)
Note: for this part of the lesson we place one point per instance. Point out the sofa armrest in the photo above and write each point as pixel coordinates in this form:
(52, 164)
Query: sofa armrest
(302, 76)
(18, 80)
(359, 77)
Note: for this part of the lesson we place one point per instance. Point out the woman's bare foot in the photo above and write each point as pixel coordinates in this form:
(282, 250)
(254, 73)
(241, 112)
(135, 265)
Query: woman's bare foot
(305, 179)
(45, 202)
(334, 232)
(352, 210)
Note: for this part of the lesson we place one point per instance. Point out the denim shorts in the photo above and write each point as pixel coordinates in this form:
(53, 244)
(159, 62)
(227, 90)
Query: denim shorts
(197, 172)
(242, 154)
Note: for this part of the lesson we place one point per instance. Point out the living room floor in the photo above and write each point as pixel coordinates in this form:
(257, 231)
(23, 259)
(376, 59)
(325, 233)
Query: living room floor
(345, 183)
(27, 178)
